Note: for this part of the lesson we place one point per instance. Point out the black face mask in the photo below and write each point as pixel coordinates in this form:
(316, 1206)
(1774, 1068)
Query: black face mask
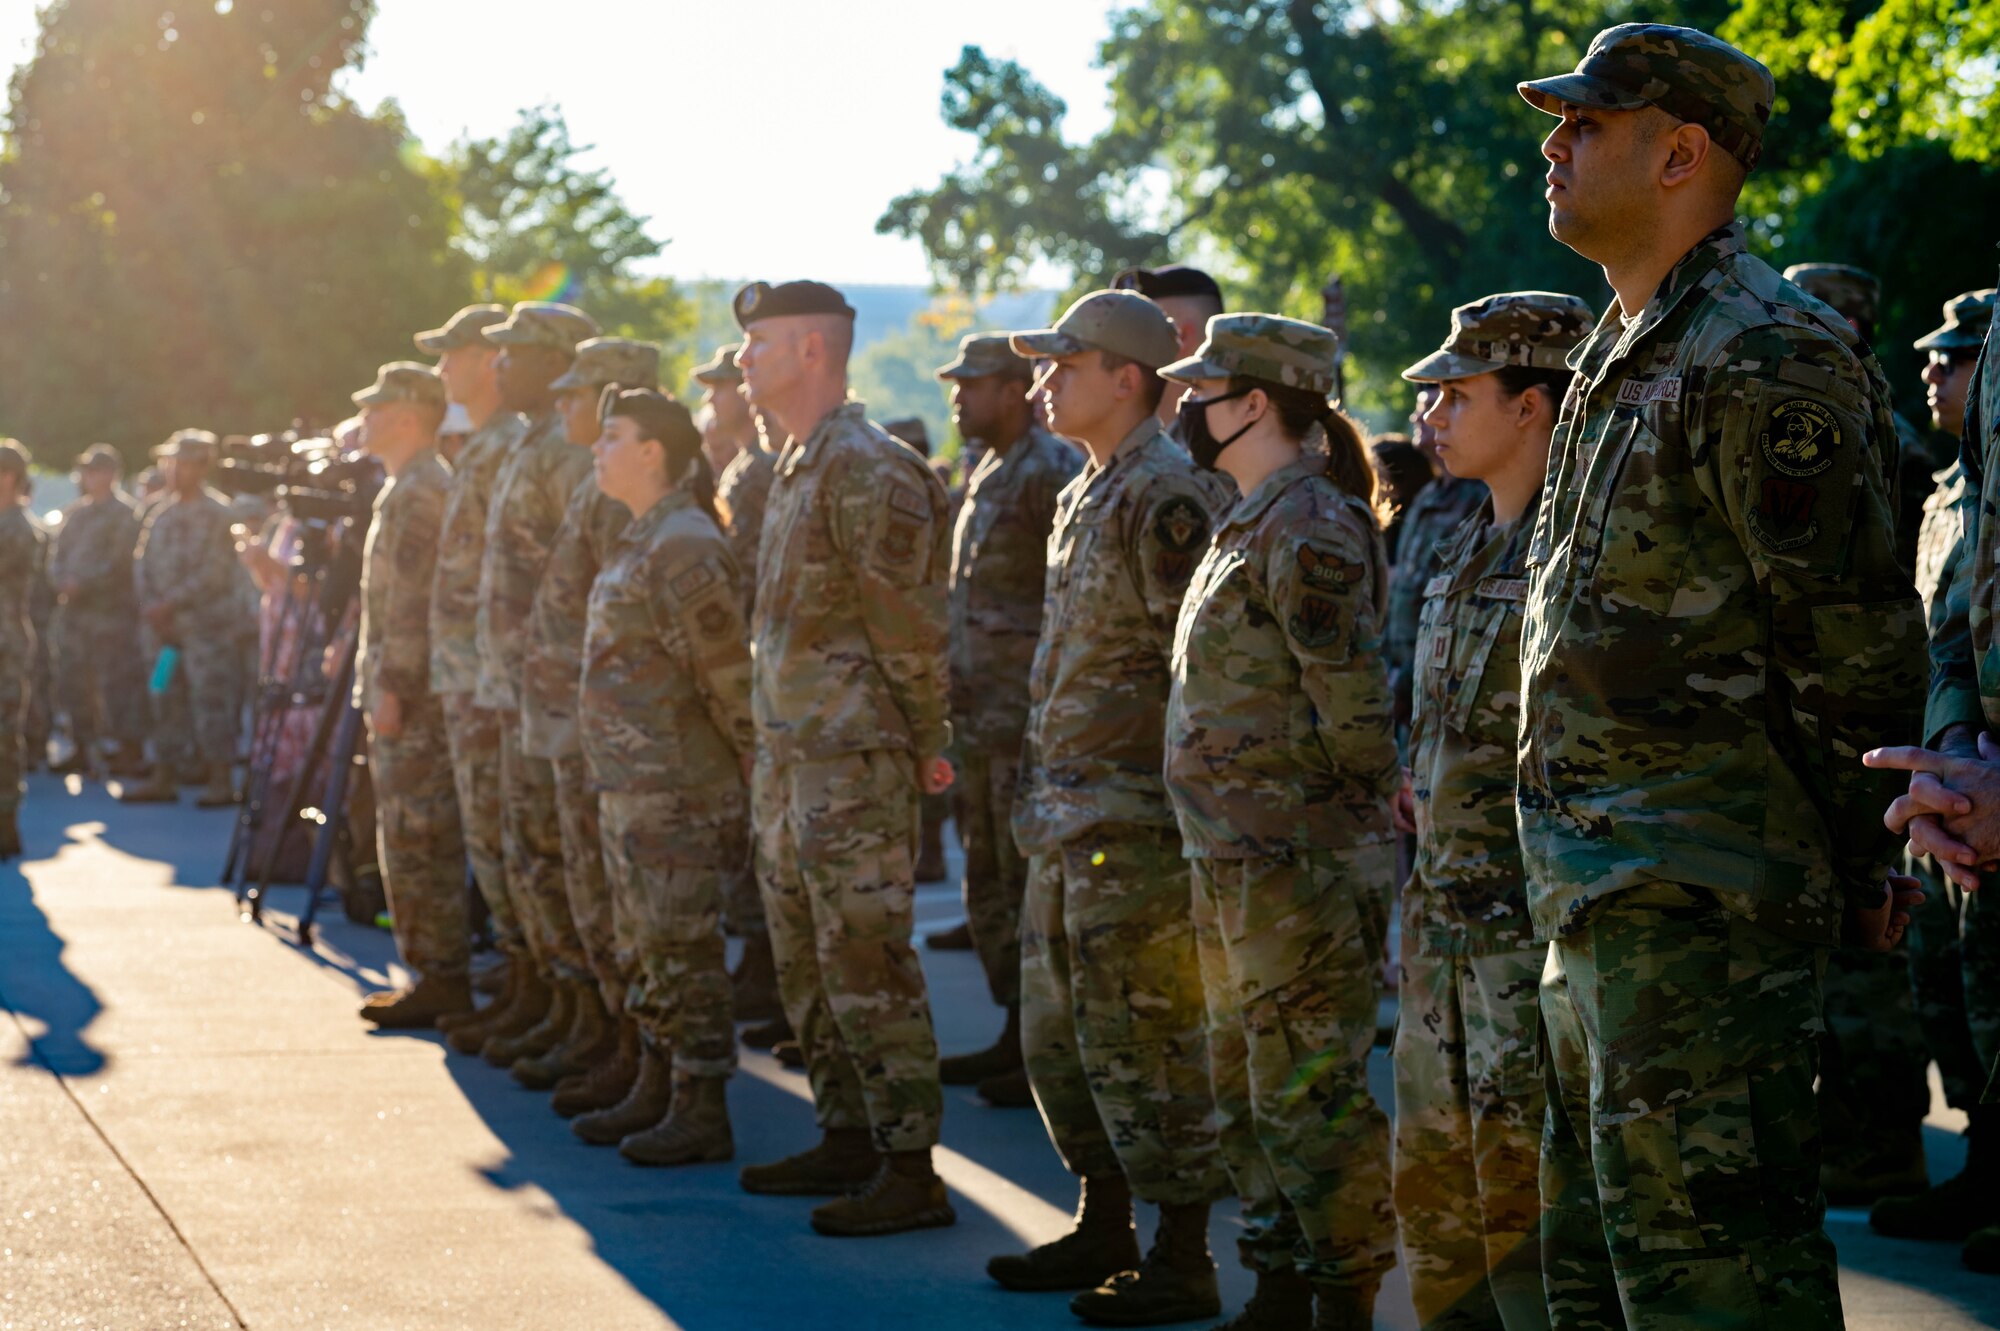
(1202, 444)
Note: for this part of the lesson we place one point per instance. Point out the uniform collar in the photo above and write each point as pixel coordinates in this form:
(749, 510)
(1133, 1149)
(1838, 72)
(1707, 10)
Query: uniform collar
(655, 517)
(1251, 507)
(1128, 448)
(797, 454)
(1688, 276)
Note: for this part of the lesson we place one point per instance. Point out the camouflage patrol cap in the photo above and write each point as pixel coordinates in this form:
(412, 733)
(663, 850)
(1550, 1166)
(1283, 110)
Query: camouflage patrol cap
(541, 323)
(462, 329)
(13, 458)
(1123, 323)
(403, 381)
(983, 355)
(612, 360)
(99, 455)
(1270, 347)
(1855, 292)
(912, 431)
(1967, 316)
(721, 368)
(1683, 71)
(1537, 328)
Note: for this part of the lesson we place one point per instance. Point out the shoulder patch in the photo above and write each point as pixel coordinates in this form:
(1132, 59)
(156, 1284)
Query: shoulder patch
(905, 500)
(1800, 438)
(1180, 525)
(712, 620)
(693, 582)
(1783, 516)
(1324, 568)
(1316, 620)
(899, 541)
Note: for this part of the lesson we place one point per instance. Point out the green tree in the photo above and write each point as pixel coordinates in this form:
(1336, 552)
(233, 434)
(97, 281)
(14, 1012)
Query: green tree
(195, 228)
(537, 224)
(897, 375)
(1282, 140)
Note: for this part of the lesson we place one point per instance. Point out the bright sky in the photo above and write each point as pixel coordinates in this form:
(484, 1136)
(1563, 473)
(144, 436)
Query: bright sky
(764, 137)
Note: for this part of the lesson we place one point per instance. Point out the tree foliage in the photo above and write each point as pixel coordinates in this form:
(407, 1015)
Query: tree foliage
(196, 228)
(1279, 141)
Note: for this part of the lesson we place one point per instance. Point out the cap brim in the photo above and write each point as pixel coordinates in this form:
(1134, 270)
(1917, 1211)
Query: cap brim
(1046, 342)
(435, 342)
(567, 380)
(1192, 369)
(1578, 90)
(1951, 337)
(368, 397)
(718, 376)
(500, 335)
(1443, 366)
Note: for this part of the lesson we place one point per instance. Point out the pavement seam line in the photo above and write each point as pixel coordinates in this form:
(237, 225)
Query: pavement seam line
(173, 1228)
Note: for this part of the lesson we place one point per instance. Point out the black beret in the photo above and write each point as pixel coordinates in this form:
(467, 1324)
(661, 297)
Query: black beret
(761, 300)
(1173, 280)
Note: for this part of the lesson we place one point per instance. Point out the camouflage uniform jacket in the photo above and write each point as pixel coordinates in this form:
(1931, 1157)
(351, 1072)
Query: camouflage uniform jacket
(849, 626)
(1467, 893)
(186, 560)
(1920, 453)
(461, 546)
(398, 563)
(1278, 731)
(665, 694)
(1716, 623)
(1965, 658)
(530, 496)
(999, 563)
(1432, 517)
(1938, 539)
(93, 549)
(20, 554)
(1126, 541)
(590, 526)
(741, 494)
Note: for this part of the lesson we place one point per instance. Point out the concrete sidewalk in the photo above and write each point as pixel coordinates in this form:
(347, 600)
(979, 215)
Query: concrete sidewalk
(197, 1131)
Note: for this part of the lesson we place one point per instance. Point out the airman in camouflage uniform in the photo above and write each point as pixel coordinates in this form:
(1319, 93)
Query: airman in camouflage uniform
(1469, 1099)
(590, 525)
(420, 844)
(667, 733)
(187, 578)
(1954, 951)
(473, 731)
(850, 699)
(20, 542)
(1281, 764)
(741, 492)
(1000, 550)
(97, 646)
(530, 493)
(1112, 1013)
(1714, 632)
(1438, 511)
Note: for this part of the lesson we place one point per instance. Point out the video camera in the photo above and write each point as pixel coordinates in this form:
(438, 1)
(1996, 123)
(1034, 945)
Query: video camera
(306, 476)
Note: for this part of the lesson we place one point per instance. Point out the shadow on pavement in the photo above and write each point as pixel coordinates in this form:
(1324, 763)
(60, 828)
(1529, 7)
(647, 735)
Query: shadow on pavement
(38, 988)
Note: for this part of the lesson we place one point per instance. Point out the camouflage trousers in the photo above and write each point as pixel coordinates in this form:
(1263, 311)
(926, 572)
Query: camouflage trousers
(1469, 1109)
(199, 713)
(1681, 1154)
(836, 852)
(100, 676)
(1113, 1017)
(13, 707)
(419, 844)
(1955, 971)
(474, 733)
(743, 903)
(666, 874)
(531, 847)
(1291, 966)
(584, 880)
(996, 875)
(1874, 1072)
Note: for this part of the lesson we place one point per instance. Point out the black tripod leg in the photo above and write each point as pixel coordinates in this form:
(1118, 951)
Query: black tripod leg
(333, 805)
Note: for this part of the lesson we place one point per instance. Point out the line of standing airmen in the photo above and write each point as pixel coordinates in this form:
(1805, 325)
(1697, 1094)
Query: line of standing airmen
(1641, 676)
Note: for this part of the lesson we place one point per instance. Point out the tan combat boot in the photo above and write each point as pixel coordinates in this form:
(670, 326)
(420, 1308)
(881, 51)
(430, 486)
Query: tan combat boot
(507, 1046)
(651, 1096)
(754, 986)
(695, 1130)
(905, 1194)
(421, 1005)
(159, 788)
(589, 1039)
(844, 1159)
(1100, 1246)
(219, 792)
(958, 938)
(1174, 1282)
(606, 1084)
(468, 1034)
(1282, 1301)
(1004, 1056)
